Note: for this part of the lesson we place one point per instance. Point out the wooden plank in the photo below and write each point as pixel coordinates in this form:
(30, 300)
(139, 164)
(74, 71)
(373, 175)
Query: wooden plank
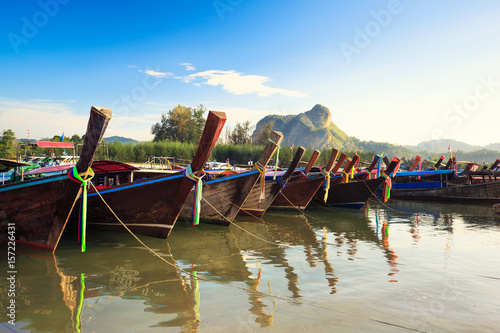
(350, 166)
(438, 163)
(331, 161)
(416, 161)
(386, 161)
(97, 124)
(449, 164)
(339, 163)
(245, 190)
(293, 165)
(313, 160)
(495, 164)
(374, 163)
(257, 207)
(213, 127)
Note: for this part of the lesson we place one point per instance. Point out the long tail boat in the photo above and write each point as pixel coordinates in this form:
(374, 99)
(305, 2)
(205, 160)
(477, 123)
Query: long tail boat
(151, 206)
(349, 194)
(301, 188)
(223, 197)
(260, 199)
(481, 186)
(34, 212)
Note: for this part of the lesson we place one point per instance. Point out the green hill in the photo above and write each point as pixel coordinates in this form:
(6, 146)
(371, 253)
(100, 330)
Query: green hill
(314, 129)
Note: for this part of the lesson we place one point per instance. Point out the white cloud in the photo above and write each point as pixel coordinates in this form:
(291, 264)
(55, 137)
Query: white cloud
(189, 67)
(239, 84)
(153, 73)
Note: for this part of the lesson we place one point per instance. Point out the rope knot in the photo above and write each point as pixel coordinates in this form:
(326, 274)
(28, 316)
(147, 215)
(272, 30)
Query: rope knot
(262, 171)
(82, 178)
(386, 192)
(326, 174)
(277, 157)
(196, 178)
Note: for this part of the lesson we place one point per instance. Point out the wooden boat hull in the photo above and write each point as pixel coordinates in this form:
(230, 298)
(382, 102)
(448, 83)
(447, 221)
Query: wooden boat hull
(488, 192)
(30, 208)
(151, 206)
(141, 205)
(35, 212)
(253, 205)
(349, 195)
(298, 192)
(219, 197)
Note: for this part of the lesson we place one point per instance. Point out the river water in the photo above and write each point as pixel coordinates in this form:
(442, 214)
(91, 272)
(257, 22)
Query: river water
(403, 267)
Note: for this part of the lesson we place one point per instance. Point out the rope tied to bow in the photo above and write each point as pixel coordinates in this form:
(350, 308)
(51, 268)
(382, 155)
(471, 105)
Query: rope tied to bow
(84, 179)
(346, 176)
(386, 192)
(262, 171)
(198, 184)
(326, 174)
(277, 157)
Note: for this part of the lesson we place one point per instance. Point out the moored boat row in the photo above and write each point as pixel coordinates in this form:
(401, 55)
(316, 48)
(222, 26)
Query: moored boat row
(35, 211)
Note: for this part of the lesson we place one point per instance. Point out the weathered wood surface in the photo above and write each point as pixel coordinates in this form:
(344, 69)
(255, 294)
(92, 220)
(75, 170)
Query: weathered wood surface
(300, 190)
(438, 163)
(151, 206)
(352, 194)
(39, 208)
(226, 195)
(246, 189)
(256, 207)
(339, 163)
(393, 166)
(416, 161)
(312, 160)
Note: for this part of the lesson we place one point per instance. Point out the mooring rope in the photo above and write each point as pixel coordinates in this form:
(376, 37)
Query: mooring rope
(236, 225)
(258, 218)
(177, 267)
(259, 293)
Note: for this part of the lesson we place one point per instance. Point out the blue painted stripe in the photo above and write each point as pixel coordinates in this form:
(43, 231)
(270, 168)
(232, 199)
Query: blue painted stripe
(244, 174)
(33, 183)
(132, 185)
(418, 185)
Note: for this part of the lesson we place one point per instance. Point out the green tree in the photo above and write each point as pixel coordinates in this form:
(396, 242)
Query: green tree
(241, 134)
(76, 139)
(265, 134)
(7, 148)
(184, 124)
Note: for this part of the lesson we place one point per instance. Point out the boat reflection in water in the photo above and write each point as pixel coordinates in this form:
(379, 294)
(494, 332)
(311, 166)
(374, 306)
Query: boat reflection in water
(292, 256)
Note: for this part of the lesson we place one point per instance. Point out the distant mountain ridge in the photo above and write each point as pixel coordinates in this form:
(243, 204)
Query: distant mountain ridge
(441, 145)
(120, 139)
(315, 129)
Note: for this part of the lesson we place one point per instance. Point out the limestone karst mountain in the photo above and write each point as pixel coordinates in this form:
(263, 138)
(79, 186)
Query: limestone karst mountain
(311, 129)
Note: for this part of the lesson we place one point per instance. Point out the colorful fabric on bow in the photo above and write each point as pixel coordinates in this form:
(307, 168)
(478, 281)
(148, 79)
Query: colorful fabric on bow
(198, 184)
(262, 171)
(386, 192)
(346, 176)
(277, 157)
(82, 225)
(326, 174)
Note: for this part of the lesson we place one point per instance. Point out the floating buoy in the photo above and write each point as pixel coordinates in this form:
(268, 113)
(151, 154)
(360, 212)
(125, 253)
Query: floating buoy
(496, 208)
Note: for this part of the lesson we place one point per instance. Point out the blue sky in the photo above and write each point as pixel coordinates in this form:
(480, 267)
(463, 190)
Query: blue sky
(395, 71)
